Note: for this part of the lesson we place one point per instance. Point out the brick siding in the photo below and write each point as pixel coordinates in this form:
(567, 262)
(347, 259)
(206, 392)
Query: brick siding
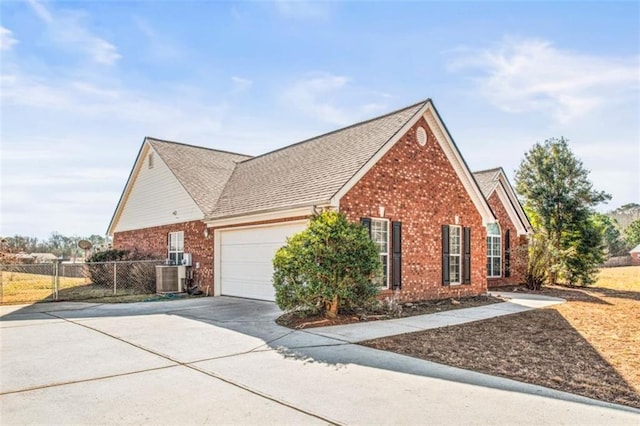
(419, 187)
(155, 241)
(519, 246)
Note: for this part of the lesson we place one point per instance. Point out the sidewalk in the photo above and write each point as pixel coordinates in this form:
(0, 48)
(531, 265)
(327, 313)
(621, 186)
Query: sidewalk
(517, 302)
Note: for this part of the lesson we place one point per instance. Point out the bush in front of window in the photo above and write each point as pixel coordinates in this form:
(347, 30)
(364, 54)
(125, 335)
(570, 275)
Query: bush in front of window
(328, 267)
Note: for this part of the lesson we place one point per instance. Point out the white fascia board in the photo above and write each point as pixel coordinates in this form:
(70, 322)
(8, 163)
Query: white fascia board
(524, 219)
(455, 158)
(135, 170)
(306, 210)
(446, 143)
(335, 200)
(513, 215)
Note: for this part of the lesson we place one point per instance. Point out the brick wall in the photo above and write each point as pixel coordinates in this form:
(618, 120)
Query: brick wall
(418, 186)
(519, 246)
(155, 240)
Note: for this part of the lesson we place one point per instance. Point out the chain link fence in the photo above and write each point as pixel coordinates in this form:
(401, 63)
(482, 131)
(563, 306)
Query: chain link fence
(27, 283)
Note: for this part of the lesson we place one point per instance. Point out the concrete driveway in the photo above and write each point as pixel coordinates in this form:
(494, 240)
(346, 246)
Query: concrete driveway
(224, 360)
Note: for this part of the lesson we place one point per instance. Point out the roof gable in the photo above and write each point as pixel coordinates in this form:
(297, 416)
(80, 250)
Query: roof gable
(185, 176)
(202, 171)
(495, 180)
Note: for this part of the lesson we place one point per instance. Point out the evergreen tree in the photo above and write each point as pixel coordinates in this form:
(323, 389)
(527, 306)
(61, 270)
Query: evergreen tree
(559, 197)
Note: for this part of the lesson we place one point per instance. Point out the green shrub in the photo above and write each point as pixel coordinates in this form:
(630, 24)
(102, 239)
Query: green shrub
(327, 267)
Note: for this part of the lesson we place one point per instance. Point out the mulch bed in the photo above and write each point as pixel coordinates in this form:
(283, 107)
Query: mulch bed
(588, 346)
(293, 320)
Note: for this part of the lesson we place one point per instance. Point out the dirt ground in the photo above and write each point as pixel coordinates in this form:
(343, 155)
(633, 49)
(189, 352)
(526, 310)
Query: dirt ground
(587, 346)
(292, 320)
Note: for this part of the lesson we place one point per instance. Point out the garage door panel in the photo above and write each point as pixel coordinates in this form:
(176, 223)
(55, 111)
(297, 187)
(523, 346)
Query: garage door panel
(249, 270)
(246, 257)
(246, 252)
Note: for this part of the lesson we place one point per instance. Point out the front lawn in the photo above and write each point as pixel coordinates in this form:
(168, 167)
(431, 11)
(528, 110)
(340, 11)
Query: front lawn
(587, 346)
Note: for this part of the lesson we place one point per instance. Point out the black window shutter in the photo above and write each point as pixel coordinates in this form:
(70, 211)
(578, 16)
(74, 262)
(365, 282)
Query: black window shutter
(507, 254)
(466, 269)
(366, 222)
(445, 255)
(396, 247)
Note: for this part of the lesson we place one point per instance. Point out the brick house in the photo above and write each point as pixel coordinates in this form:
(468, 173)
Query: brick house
(507, 241)
(400, 174)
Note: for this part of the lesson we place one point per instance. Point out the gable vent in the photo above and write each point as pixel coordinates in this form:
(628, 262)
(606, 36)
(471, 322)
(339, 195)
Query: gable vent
(421, 136)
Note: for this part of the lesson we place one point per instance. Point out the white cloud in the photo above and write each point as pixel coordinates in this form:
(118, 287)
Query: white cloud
(334, 99)
(313, 95)
(534, 75)
(6, 39)
(69, 30)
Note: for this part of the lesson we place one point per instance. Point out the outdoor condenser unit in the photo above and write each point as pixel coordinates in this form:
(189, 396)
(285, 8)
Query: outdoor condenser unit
(170, 279)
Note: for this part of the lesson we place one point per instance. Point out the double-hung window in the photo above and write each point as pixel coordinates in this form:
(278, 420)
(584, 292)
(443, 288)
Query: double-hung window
(176, 247)
(380, 235)
(455, 249)
(494, 266)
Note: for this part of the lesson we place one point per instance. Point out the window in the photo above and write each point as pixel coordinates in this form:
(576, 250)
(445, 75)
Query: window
(493, 251)
(380, 235)
(176, 247)
(455, 246)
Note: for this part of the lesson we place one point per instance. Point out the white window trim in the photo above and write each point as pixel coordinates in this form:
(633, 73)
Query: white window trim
(381, 219)
(458, 255)
(181, 249)
(491, 256)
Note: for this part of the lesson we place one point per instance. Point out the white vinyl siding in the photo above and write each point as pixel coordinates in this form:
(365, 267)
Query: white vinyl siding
(455, 250)
(155, 196)
(380, 235)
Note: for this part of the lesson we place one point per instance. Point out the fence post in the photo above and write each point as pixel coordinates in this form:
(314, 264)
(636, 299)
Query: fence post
(115, 278)
(56, 278)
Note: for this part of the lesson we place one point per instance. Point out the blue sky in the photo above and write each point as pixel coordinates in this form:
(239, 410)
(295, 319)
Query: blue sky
(82, 83)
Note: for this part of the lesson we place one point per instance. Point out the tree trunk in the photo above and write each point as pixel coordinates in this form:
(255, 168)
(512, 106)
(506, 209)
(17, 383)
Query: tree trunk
(332, 311)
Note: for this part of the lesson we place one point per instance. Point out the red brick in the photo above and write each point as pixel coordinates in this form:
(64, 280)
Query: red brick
(419, 187)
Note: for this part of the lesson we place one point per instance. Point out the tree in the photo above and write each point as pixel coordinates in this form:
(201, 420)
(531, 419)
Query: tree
(614, 245)
(632, 233)
(559, 197)
(327, 267)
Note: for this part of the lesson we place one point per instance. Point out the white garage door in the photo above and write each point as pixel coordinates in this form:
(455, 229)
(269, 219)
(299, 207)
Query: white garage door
(246, 257)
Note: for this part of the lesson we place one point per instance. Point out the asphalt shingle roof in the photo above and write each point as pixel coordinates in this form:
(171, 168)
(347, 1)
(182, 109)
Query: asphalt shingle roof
(487, 180)
(310, 171)
(202, 171)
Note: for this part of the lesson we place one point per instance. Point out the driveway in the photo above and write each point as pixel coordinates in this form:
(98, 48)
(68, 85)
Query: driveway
(224, 360)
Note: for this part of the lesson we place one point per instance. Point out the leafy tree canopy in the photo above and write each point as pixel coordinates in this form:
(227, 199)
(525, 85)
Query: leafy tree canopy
(559, 198)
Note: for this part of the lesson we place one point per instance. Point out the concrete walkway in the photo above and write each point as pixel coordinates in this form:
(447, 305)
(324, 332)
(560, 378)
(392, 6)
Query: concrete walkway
(224, 361)
(359, 332)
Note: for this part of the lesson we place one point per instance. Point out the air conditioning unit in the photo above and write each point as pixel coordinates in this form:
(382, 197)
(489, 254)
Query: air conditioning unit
(170, 279)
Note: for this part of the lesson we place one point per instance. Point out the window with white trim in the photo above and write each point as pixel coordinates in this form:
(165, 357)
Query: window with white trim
(494, 259)
(380, 235)
(455, 250)
(176, 247)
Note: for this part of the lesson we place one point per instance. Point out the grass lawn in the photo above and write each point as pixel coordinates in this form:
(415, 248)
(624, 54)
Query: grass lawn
(588, 346)
(20, 287)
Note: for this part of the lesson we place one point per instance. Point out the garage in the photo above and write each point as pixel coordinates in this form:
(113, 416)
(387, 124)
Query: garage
(245, 259)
